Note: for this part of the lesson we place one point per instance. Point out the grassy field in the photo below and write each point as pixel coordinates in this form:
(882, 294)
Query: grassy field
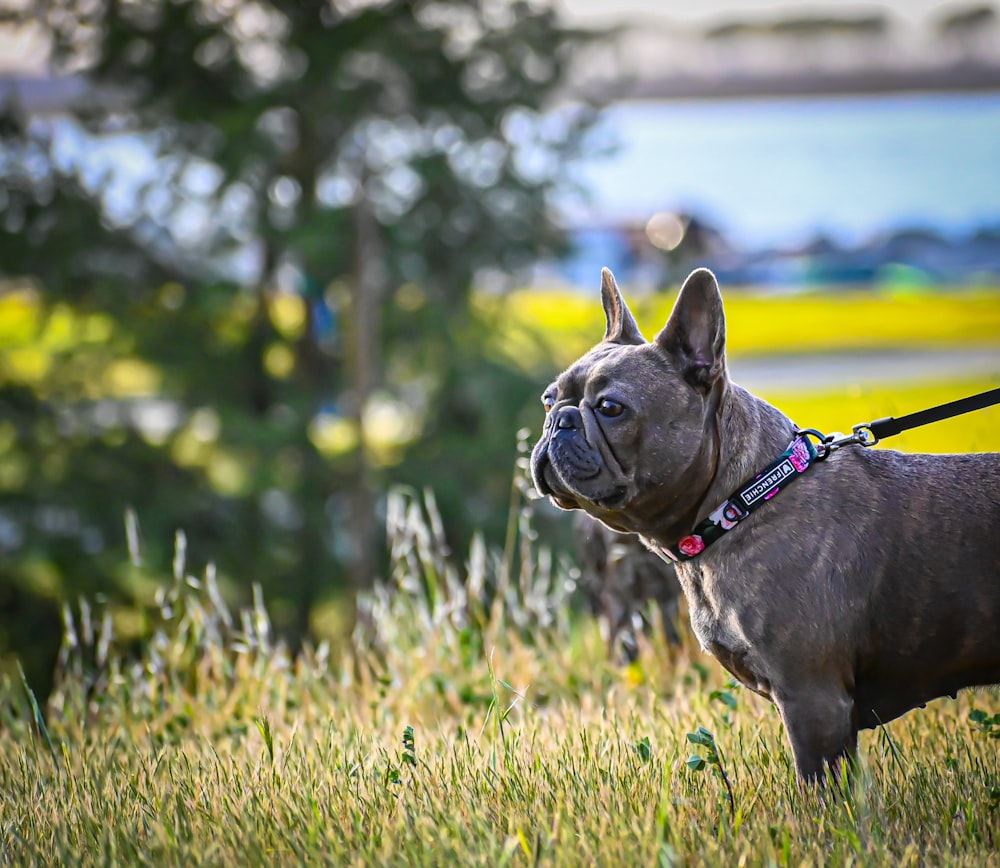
(457, 733)
(473, 718)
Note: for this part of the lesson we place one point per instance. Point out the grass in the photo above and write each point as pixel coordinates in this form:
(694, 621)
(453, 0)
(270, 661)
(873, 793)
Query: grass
(474, 719)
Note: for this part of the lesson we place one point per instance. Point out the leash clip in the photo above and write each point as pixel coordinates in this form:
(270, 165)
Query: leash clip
(864, 434)
(826, 444)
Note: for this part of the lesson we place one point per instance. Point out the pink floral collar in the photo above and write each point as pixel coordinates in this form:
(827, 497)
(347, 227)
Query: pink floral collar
(792, 463)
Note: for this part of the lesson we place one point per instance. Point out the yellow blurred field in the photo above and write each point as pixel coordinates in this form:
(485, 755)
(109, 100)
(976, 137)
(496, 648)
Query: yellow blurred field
(839, 409)
(561, 325)
(544, 331)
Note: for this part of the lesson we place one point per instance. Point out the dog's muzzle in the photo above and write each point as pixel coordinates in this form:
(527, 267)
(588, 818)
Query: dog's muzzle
(568, 447)
(562, 458)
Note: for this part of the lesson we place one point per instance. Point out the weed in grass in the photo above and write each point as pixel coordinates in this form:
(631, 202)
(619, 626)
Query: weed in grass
(409, 754)
(36, 715)
(711, 759)
(644, 749)
(264, 728)
(985, 723)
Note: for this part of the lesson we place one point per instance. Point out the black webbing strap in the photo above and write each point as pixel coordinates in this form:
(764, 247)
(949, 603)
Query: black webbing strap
(882, 428)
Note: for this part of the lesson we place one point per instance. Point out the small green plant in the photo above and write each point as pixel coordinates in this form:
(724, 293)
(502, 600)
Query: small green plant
(36, 715)
(725, 698)
(409, 755)
(644, 749)
(500, 715)
(985, 723)
(712, 759)
(700, 670)
(993, 794)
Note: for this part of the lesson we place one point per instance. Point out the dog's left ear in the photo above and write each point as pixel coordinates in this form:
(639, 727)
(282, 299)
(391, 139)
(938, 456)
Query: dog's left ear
(695, 334)
(621, 325)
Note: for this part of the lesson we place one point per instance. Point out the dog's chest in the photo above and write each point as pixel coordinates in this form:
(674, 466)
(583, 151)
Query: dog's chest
(720, 629)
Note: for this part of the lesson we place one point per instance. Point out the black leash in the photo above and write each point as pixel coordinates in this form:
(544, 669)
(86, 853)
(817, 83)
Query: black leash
(868, 434)
(883, 428)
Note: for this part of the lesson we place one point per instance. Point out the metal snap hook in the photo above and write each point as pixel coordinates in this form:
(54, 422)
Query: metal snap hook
(864, 434)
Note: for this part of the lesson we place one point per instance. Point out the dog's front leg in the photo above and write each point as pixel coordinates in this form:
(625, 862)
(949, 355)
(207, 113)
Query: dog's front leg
(820, 725)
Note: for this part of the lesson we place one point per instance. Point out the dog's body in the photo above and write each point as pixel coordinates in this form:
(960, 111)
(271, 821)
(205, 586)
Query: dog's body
(622, 578)
(868, 587)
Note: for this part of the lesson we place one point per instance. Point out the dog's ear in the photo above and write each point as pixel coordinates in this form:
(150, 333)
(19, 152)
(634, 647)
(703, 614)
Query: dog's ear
(696, 331)
(621, 328)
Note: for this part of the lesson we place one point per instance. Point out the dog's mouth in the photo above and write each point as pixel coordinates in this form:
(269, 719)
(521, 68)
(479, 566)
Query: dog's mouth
(548, 483)
(542, 474)
(612, 500)
(597, 503)
(571, 493)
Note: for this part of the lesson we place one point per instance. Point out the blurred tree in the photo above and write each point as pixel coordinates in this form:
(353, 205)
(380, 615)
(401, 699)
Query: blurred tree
(239, 280)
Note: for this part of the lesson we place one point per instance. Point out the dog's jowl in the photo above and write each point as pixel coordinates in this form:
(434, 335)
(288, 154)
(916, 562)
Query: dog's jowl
(847, 590)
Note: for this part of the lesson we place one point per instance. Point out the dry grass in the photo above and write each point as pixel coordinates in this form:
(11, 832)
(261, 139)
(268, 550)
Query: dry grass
(463, 727)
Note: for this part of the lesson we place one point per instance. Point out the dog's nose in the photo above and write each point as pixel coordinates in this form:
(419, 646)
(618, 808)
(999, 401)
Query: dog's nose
(569, 418)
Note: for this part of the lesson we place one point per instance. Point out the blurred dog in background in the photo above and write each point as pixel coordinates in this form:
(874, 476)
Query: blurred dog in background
(623, 580)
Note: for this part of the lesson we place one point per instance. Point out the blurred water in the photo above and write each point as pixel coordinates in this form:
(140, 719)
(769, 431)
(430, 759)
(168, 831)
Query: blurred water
(777, 172)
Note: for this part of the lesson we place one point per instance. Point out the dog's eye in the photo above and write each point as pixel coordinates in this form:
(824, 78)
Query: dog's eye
(548, 402)
(607, 407)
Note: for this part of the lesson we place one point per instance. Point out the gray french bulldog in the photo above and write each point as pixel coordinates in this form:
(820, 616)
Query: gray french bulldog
(847, 588)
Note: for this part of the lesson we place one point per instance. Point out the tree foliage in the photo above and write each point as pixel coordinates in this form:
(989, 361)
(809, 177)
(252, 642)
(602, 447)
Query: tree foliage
(237, 283)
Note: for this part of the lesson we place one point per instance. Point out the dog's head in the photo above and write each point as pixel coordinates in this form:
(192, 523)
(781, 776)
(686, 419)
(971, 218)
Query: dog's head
(628, 427)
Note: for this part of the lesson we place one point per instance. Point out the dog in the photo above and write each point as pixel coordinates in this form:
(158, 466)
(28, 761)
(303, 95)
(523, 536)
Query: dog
(621, 579)
(848, 587)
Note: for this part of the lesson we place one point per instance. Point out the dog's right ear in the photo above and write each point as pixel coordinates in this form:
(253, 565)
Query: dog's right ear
(695, 333)
(621, 328)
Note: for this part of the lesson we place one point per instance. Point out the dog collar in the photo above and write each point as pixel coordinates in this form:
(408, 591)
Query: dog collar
(792, 463)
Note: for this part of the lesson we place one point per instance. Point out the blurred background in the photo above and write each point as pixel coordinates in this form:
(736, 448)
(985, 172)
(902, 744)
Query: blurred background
(263, 261)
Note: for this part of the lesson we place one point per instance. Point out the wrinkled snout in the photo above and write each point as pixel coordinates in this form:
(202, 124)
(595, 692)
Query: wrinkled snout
(563, 453)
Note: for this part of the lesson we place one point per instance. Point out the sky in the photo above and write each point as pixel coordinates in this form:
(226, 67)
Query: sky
(777, 172)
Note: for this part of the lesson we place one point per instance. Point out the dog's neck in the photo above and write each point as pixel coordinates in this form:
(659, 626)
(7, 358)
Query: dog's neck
(762, 432)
